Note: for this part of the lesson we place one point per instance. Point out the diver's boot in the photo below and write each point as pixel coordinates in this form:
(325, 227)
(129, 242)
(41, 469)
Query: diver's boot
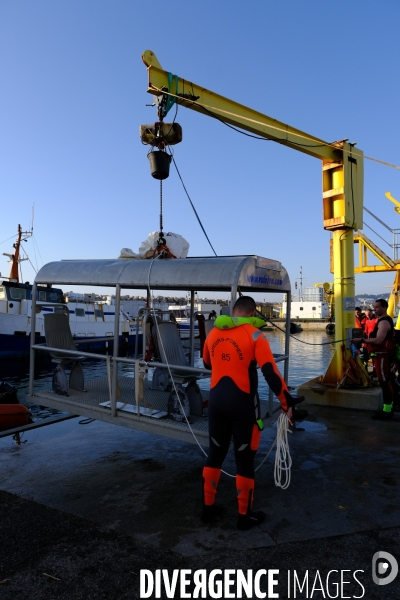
(245, 493)
(382, 416)
(210, 483)
(211, 513)
(250, 519)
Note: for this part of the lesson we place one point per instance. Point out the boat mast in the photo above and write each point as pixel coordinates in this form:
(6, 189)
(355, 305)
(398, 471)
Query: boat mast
(15, 259)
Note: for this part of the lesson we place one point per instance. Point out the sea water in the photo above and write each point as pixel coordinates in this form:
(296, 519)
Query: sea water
(310, 355)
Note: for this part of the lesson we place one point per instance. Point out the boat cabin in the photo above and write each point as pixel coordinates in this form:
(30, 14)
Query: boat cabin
(163, 388)
(10, 290)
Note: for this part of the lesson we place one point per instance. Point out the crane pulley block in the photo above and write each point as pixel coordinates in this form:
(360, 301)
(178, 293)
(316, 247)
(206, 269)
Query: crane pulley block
(161, 134)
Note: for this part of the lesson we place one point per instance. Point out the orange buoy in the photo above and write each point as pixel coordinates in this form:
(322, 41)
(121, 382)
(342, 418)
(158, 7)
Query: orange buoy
(13, 415)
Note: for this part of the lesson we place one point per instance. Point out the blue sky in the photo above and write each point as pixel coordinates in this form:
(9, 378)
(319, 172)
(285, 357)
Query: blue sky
(74, 94)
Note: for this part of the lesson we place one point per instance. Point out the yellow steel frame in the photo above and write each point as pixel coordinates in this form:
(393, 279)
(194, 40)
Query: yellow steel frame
(342, 179)
(365, 245)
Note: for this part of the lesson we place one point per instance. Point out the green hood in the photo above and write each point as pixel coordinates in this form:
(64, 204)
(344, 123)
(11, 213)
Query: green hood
(226, 322)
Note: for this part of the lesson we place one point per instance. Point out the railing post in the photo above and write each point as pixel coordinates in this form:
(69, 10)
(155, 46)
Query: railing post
(191, 333)
(287, 336)
(33, 337)
(115, 351)
(137, 385)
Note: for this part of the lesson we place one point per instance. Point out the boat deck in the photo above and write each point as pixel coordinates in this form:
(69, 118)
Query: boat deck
(153, 413)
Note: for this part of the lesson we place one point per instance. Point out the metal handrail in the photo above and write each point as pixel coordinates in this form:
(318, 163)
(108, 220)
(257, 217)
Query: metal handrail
(69, 352)
(395, 233)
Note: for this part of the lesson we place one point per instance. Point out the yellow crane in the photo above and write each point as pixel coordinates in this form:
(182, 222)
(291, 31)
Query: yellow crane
(342, 179)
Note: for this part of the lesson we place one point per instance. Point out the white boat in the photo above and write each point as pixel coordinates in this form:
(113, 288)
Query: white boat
(181, 314)
(88, 316)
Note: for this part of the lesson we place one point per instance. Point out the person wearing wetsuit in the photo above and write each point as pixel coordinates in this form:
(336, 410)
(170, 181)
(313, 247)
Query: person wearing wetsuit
(232, 350)
(381, 345)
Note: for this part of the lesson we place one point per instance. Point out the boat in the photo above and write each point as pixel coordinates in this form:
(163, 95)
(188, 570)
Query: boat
(295, 327)
(13, 415)
(181, 314)
(89, 317)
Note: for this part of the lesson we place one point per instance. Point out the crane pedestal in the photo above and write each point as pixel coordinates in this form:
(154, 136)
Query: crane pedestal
(366, 398)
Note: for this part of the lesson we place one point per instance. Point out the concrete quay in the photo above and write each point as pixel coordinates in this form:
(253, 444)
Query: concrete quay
(86, 507)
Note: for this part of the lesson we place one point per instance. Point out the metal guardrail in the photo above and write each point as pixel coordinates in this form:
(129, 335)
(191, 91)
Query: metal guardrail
(36, 425)
(395, 233)
(67, 353)
(139, 364)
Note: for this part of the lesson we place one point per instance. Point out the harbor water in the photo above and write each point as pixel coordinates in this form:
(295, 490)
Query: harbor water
(310, 355)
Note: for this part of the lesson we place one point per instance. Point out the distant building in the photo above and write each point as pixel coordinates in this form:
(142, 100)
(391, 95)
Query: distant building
(310, 306)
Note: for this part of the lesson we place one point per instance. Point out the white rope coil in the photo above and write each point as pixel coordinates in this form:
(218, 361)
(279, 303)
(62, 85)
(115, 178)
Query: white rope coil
(283, 460)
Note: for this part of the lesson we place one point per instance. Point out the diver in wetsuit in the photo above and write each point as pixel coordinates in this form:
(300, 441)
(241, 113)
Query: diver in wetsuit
(232, 350)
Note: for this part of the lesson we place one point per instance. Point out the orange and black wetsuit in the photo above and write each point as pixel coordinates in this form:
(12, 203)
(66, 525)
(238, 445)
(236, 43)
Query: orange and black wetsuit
(234, 407)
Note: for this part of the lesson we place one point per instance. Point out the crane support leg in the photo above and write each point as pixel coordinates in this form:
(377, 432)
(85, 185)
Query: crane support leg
(344, 286)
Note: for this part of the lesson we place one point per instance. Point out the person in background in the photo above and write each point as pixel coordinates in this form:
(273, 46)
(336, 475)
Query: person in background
(232, 350)
(368, 324)
(359, 315)
(381, 346)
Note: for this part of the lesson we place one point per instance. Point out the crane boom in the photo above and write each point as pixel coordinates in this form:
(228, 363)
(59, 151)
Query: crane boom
(195, 97)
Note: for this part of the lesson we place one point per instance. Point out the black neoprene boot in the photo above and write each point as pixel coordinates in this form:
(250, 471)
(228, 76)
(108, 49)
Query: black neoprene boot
(382, 416)
(211, 513)
(250, 519)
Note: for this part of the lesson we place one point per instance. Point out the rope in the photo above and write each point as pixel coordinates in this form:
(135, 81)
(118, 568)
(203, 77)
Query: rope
(283, 460)
(302, 341)
(168, 367)
(192, 205)
(171, 97)
(295, 338)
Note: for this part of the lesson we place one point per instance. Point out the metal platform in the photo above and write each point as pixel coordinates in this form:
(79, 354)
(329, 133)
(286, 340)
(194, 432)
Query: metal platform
(152, 418)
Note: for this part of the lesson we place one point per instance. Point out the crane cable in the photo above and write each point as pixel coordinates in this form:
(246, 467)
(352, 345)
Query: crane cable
(161, 220)
(192, 205)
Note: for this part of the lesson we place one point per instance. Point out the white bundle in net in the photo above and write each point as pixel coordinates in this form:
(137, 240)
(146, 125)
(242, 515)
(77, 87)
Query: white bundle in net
(176, 244)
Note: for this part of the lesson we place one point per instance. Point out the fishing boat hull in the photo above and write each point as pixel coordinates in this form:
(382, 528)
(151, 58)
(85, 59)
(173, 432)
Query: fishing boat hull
(88, 320)
(13, 415)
